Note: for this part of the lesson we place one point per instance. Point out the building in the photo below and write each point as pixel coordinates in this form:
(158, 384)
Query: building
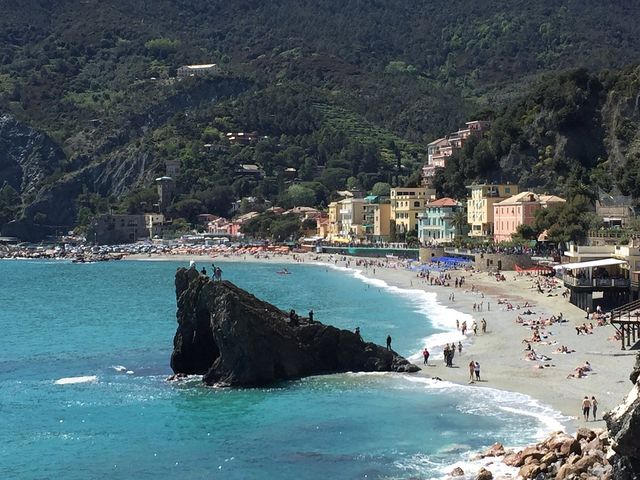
(605, 275)
(113, 229)
(241, 138)
(406, 204)
(172, 168)
(351, 218)
(480, 206)
(334, 225)
(441, 149)
(250, 170)
(436, 223)
(614, 210)
(518, 210)
(377, 218)
(166, 190)
(197, 70)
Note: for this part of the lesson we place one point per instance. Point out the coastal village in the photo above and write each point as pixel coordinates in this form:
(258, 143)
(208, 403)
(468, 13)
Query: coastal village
(236, 180)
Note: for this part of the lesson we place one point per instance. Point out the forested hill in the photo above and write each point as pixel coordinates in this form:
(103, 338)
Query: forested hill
(341, 89)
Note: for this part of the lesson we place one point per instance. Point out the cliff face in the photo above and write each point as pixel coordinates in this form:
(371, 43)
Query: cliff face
(233, 338)
(623, 423)
(27, 156)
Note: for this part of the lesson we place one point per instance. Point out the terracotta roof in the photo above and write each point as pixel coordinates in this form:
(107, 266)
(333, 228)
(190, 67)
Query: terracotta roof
(443, 202)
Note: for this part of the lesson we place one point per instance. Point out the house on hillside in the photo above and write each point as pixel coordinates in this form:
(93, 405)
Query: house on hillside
(518, 210)
(615, 210)
(197, 70)
(441, 149)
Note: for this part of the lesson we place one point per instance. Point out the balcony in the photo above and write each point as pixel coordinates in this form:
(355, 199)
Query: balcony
(595, 282)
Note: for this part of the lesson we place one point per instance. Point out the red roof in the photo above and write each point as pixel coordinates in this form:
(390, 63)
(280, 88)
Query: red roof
(443, 202)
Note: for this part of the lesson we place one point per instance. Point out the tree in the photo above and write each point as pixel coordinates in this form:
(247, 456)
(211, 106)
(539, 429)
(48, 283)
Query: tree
(460, 222)
(381, 189)
(298, 196)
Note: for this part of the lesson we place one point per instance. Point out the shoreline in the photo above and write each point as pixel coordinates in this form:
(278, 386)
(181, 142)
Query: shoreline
(500, 350)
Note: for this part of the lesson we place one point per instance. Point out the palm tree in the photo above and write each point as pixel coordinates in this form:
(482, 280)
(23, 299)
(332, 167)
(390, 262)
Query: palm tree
(459, 221)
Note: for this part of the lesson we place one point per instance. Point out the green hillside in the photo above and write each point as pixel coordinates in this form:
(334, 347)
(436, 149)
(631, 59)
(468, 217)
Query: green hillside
(348, 93)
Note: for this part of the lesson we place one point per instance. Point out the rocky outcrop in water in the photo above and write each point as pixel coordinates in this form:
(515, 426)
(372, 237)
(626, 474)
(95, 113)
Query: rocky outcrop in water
(235, 339)
(623, 423)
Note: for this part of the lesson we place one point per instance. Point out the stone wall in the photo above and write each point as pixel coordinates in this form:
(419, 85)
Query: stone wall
(427, 253)
(496, 261)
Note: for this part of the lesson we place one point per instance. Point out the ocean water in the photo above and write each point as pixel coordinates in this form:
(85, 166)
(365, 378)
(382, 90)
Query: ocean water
(83, 394)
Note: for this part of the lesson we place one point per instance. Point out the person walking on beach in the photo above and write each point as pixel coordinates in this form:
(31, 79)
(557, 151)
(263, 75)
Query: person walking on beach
(476, 369)
(586, 406)
(474, 327)
(472, 367)
(594, 407)
(388, 342)
(483, 324)
(445, 352)
(457, 324)
(425, 356)
(459, 348)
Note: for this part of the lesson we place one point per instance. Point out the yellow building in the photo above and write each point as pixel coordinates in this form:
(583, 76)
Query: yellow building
(406, 204)
(377, 218)
(480, 206)
(334, 226)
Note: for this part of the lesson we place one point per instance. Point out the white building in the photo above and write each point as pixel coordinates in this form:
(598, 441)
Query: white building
(197, 70)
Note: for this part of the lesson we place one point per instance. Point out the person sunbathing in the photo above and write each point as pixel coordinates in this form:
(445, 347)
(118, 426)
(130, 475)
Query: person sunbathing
(577, 373)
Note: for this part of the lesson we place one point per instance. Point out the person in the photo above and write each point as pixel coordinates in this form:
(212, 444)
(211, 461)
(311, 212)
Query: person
(203, 271)
(586, 406)
(459, 348)
(476, 369)
(472, 368)
(594, 407)
(311, 315)
(388, 342)
(445, 352)
(425, 356)
(483, 323)
(357, 332)
(293, 317)
(474, 327)
(457, 324)
(588, 312)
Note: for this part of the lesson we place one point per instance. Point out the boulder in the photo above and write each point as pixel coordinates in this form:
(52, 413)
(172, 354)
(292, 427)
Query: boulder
(585, 434)
(457, 472)
(513, 459)
(233, 338)
(495, 450)
(569, 446)
(484, 474)
(529, 471)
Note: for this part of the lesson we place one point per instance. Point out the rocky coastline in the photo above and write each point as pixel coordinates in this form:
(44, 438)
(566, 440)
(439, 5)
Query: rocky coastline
(235, 339)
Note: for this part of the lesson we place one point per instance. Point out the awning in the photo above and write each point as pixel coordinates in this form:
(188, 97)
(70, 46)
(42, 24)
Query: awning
(593, 263)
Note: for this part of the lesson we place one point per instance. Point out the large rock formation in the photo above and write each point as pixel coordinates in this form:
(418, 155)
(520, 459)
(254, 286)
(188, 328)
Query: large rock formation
(233, 338)
(623, 423)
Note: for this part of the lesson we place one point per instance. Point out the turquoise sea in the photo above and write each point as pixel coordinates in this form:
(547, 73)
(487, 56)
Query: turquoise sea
(85, 354)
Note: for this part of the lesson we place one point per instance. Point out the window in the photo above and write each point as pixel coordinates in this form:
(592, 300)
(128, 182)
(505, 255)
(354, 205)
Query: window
(416, 204)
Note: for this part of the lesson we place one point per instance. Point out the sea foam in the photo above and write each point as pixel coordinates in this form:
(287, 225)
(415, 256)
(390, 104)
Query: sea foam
(72, 380)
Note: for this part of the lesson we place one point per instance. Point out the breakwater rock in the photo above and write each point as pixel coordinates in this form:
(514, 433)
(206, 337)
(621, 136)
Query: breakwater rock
(233, 338)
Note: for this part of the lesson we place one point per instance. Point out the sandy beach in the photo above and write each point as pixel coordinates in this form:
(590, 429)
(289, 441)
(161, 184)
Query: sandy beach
(501, 351)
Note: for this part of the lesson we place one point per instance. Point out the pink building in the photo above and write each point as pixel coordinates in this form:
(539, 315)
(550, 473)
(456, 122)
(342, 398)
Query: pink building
(441, 149)
(518, 210)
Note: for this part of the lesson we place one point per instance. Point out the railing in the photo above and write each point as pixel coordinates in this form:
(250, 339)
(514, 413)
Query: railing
(595, 282)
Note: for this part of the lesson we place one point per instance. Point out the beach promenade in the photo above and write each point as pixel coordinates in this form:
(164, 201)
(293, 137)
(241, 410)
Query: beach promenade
(501, 351)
